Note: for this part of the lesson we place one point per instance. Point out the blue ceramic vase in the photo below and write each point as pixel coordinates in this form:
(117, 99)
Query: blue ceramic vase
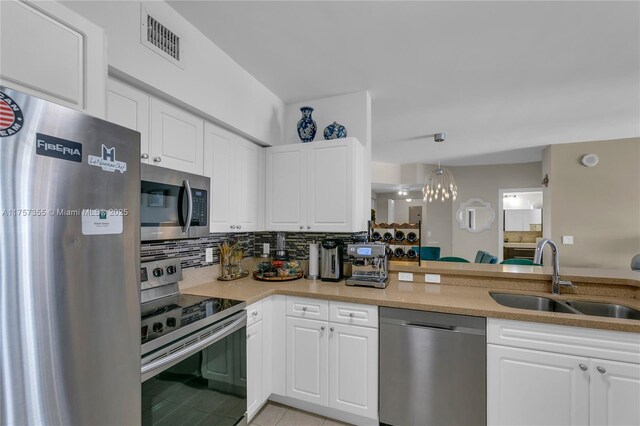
(335, 131)
(306, 126)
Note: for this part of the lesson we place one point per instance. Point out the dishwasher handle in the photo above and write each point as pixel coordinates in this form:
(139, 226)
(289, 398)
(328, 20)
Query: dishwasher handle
(436, 326)
(435, 321)
(441, 327)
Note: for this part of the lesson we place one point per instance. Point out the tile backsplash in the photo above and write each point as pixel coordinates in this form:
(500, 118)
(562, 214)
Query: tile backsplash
(297, 243)
(192, 252)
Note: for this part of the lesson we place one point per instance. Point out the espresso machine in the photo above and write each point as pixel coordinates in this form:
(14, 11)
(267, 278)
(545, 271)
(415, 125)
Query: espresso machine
(369, 254)
(331, 260)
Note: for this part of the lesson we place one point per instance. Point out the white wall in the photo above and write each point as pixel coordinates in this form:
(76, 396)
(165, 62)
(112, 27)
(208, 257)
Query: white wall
(385, 173)
(484, 182)
(599, 206)
(211, 82)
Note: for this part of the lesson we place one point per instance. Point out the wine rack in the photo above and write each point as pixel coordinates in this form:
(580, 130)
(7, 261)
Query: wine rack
(401, 237)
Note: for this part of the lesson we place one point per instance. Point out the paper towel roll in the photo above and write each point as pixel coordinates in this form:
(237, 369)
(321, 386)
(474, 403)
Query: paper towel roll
(265, 248)
(314, 250)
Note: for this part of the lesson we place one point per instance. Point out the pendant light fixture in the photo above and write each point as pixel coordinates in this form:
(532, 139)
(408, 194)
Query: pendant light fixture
(440, 185)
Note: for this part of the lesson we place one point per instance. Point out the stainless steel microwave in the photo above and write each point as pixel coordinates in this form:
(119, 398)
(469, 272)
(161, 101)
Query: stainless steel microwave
(173, 204)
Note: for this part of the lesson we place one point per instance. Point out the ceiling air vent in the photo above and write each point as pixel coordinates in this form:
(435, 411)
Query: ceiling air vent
(160, 39)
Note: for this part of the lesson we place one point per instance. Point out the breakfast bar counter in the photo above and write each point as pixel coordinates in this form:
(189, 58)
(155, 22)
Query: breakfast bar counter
(464, 289)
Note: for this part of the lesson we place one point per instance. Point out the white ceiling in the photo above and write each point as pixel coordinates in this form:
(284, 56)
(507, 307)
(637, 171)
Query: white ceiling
(503, 79)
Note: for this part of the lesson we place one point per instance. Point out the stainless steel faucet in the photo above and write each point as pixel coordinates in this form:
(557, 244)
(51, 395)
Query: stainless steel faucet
(556, 282)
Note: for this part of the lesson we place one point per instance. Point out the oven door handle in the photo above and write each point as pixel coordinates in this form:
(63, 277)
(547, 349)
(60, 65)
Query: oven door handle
(187, 189)
(155, 367)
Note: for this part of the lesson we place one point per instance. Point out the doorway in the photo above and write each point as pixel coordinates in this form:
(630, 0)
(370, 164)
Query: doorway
(415, 214)
(520, 222)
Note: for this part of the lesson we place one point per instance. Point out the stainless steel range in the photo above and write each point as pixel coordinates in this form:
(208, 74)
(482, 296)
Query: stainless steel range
(193, 352)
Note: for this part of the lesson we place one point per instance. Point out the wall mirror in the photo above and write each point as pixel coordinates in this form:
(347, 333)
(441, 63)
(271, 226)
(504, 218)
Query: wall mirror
(475, 215)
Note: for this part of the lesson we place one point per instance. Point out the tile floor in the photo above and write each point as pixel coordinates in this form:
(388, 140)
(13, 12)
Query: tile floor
(273, 414)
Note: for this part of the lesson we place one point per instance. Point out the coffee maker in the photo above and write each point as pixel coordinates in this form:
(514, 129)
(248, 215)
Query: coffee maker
(331, 260)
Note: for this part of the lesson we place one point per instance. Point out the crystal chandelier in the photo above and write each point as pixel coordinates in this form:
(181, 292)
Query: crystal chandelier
(440, 185)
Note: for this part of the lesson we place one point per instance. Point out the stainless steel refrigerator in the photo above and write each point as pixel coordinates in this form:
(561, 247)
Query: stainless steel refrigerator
(69, 262)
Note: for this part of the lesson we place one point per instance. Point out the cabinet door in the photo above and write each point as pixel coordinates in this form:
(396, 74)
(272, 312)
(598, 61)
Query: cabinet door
(285, 188)
(353, 369)
(527, 387)
(176, 138)
(307, 360)
(129, 107)
(51, 52)
(615, 393)
(219, 167)
(254, 369)
(329, 187)
(247, 163)
(513, 220)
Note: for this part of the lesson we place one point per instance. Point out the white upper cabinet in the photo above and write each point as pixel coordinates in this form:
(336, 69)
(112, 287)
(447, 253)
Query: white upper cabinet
(235, 167)
(176, 138)
(48, 51)
(129, 107)
(521, 219)
(286, 188)
(316, 187)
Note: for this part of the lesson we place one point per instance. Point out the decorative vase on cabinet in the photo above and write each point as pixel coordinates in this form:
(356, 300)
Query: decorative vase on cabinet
(306, 126)
(335, 131)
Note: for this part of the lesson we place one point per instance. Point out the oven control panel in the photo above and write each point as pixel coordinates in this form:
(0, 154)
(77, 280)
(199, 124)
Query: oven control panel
(159, 273)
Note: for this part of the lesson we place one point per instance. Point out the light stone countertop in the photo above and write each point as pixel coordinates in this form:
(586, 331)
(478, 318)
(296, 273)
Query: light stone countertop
(520, 245)
(466, 295)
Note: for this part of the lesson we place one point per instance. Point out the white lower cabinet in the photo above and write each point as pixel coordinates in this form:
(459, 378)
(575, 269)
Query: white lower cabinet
(527, 387)
(258, 362)
(308, 360)
(330, 363)
(557, 375)
(615, 393)
(254, 368)
(353, 365)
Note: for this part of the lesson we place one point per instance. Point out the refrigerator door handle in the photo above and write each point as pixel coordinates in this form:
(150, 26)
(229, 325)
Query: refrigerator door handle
(187, 223)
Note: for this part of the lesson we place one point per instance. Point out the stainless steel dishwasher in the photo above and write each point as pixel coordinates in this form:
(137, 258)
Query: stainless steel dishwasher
(432, 368)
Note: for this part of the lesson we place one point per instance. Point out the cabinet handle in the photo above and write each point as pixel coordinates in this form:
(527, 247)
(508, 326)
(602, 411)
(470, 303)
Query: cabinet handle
(248, 335)
(582, 367)
(233, 227)
(301, 227)
(322, 328)
(144, 156)
(254, 313)
(157, 159)
(304, 308)
(308, 226)
(351, 314)
(601, 370)
(331, 329)
(238, 227)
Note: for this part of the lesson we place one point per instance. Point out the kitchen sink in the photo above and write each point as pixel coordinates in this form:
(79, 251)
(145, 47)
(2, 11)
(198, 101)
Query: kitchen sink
(534, 303)
(603, 309)
(545, 304)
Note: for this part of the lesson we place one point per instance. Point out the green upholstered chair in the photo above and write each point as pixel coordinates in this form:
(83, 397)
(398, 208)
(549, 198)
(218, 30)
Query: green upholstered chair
(479, 255)
(453, 259)
(428, 253)
(519, 262)
(488, 258)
